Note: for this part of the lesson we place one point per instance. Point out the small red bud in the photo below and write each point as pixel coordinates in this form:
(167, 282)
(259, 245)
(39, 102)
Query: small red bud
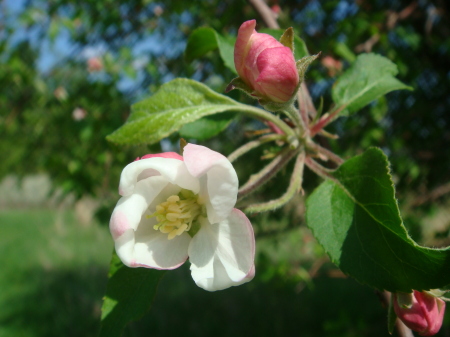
(424, 313)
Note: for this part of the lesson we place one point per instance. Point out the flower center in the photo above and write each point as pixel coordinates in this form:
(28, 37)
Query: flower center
(176, 215)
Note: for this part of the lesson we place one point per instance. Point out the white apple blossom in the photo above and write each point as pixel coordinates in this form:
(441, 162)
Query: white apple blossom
(175, 207)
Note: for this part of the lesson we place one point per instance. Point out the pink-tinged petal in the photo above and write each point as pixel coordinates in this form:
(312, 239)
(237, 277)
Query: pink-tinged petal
(118, 224)
(242, 45)
(424, 315)
(219, 190)
(137, 243)
(124, 246)
(153, 250)
(432, 310)
(173, 170)
(436, 323)
(278, 76)
(129, 210)
(222, 255)
(259, 43)
(172, 155)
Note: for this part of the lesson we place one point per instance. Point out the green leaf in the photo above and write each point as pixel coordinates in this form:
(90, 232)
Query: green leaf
(204, 40)
(175, 104)
(129, 294)
(345, 52)
(207, 127)
(356, 219)
(370, 77)
(300, 49)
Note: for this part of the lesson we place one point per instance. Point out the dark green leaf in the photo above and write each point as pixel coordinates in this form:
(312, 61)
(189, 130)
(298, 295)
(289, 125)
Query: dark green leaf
(207, 127)
(175, 104)
(370, 77)
(356, 219)
(129, 295)
(204, 40)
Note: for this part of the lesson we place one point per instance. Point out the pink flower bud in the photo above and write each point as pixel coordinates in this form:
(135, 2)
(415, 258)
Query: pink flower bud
(424, 314)
(94, 64)
(265, 65)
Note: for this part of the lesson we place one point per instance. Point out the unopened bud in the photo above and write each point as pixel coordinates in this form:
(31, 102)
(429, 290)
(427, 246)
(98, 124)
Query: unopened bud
(420, 312)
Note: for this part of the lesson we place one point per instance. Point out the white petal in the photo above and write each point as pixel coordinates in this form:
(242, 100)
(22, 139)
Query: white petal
(128, 211)
(137, 243)
(222, 255)
(219, 182)
(155, 250)
(173, 170)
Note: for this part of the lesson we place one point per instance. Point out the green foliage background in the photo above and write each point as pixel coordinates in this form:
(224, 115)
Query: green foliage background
(141, 44)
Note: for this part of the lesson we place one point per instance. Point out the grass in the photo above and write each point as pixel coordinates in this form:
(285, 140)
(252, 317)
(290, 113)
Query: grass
(53, 275)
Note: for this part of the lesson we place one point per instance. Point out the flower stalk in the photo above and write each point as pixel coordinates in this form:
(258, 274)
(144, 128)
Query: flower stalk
(325, 120)
(295, 186)
(260, 178)
(254, 144)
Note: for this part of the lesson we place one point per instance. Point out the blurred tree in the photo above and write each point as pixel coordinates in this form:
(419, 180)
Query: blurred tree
(139, 45)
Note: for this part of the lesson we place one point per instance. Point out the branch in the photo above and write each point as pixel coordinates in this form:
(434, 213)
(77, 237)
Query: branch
(265, 12)
(433, 195)
(368, 45)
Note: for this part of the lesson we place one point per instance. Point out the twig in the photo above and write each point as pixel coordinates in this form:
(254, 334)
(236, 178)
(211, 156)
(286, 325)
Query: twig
(368, 44)
(433, 195)
(265, 12)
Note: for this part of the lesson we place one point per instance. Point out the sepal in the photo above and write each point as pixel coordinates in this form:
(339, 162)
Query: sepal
(287, 39)
(303, 64)
(392, 316)
(238, 83)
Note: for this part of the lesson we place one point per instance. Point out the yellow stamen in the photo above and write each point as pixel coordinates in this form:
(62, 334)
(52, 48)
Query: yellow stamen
(176, 215)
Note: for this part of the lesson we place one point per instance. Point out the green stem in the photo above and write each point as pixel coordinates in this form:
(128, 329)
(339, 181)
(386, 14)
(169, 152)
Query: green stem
(295, 186)
(257, 180)
(253, 144)
(325, 120)
(267, 116)
(294, 115)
